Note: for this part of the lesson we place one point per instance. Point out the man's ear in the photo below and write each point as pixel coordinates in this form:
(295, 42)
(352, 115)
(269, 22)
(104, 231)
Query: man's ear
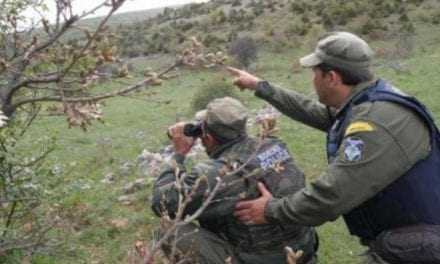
(211, 139)
(206, 138)
(335, 78)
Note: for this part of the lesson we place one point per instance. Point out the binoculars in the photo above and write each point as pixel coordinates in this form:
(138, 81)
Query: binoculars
(191, 130)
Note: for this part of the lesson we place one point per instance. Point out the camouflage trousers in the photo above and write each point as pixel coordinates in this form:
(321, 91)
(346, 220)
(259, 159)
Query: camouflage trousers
(419, 244)
(197, 245)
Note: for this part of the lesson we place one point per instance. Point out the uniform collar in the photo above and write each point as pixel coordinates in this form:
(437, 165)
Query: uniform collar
(355, 91)
(219, 150)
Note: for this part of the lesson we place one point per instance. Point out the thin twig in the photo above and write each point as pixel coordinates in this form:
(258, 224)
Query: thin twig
(98, 97)
(9, 218)
(186, 221)
(35, 49)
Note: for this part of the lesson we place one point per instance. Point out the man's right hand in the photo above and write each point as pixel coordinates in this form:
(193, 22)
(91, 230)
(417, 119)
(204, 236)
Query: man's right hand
(243, 79)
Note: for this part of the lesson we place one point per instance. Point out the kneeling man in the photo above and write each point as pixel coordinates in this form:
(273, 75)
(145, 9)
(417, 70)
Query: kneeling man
(240, 162)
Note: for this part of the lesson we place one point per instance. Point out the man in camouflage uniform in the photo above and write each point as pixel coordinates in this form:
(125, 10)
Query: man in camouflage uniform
(383, 151)
(240, 162)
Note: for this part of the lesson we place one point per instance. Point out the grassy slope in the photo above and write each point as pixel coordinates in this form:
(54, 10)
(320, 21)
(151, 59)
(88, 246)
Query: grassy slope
(131, 125)
(125, 18)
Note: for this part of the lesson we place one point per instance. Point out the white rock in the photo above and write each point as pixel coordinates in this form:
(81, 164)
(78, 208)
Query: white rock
(135, 186)
(109, 178)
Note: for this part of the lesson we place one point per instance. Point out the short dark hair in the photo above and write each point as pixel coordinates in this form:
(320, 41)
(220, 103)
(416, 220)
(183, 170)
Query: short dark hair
(348, 76)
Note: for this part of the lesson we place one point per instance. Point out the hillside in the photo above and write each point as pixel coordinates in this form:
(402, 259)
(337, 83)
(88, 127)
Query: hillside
(276, 24)
(97, 183)
(127, 18)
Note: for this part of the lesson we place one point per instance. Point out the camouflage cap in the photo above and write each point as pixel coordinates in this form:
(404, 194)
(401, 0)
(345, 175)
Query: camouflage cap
(225, 117)
(340, 49)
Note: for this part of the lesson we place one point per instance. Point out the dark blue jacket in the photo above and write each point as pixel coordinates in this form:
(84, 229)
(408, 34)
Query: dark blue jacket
(413, 198)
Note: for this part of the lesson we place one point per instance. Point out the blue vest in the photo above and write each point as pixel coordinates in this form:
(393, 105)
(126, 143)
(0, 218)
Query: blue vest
(413, 198)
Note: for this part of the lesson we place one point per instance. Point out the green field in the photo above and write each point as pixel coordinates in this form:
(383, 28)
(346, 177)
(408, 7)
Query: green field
(89, 206)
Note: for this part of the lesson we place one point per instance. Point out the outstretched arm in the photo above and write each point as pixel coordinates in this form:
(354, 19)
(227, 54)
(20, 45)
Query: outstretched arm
(368, 161)
(295, 105)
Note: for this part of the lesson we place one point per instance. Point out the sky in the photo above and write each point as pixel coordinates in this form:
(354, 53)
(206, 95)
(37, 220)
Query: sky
(130, 5)
(136, 5)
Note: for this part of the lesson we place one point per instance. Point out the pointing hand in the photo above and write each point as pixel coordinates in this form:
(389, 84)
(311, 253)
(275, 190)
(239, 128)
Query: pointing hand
(243, 79)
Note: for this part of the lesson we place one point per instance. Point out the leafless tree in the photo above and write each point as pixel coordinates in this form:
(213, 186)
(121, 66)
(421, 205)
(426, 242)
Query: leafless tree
(54, 61)
(47, 61)
(40, 61)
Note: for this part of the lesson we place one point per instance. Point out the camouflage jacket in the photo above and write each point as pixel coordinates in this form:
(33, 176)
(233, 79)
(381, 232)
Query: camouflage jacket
(268, 161)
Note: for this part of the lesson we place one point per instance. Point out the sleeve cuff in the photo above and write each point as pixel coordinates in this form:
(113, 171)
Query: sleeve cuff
(264, 89)
(270, 210)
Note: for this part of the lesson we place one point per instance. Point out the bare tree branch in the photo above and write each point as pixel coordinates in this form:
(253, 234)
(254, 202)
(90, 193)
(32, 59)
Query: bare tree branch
(92, 38)
(178, 223)
(67, 24)
(122, 91)
(93, 10)
(34, 49)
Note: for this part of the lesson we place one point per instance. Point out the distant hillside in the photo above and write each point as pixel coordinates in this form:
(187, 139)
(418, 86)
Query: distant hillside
(273, 24)
(127, 18)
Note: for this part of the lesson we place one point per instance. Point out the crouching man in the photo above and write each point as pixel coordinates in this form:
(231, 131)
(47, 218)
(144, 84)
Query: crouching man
(240, 162)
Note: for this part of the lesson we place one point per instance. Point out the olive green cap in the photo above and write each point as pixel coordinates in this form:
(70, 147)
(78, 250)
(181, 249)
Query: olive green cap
(225, 117)
(340, 49)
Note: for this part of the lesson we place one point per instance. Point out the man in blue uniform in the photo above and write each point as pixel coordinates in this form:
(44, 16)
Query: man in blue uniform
(383, 173)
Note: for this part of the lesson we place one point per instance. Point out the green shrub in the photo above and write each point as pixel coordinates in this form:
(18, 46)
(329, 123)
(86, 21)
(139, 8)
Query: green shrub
(305, 18)
(298, 7)
(404, 18)
(327, 21)
(236, 3)
(436, 18)
(372, 26)
(407, 27)
(258, 10)
(244, 50)
(217, 17)
(296, 27)
(352, 9)
(217, 87)
(212, 40)
(185, 26)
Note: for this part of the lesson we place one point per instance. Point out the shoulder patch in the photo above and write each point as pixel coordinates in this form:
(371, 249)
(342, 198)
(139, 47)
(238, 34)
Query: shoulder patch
(273, 156)
(353, 149)
(359, 126)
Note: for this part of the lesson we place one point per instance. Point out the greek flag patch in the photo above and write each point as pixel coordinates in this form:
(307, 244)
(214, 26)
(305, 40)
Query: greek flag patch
(273, 156)
(353, 148)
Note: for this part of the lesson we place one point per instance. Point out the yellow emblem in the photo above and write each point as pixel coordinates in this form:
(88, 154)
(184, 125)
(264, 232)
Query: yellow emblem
(359, 126)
